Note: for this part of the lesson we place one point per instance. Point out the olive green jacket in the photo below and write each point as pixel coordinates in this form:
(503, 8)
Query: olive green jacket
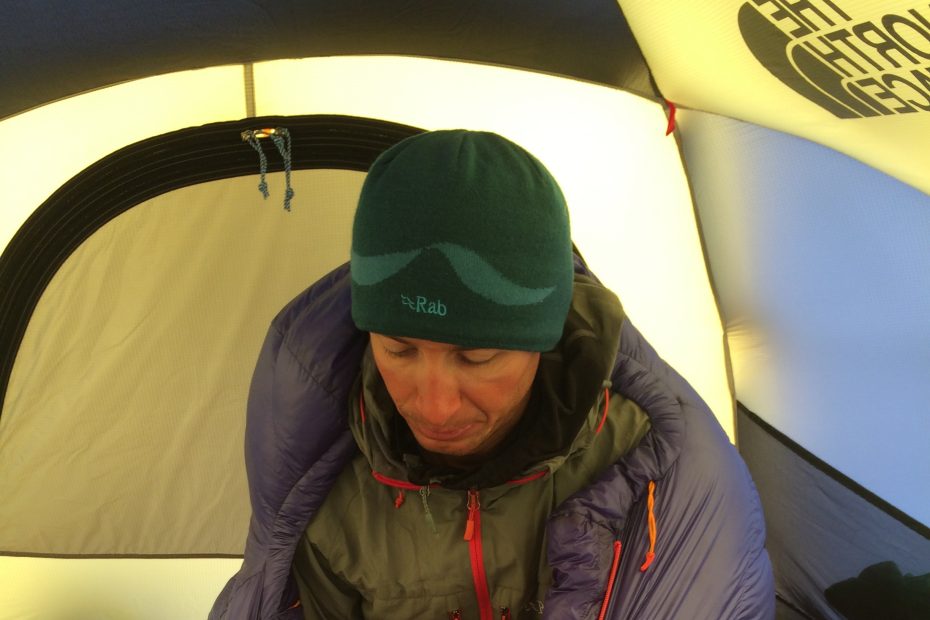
(387, 548)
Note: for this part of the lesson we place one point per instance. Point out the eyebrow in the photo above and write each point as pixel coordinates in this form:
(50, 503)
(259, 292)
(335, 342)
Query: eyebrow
(406, 342)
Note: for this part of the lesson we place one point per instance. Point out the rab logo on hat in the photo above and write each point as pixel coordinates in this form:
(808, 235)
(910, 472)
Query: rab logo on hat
(474, 272)
(423, 305)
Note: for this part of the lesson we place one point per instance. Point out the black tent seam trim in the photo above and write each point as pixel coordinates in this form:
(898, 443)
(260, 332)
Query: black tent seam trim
(842, 479)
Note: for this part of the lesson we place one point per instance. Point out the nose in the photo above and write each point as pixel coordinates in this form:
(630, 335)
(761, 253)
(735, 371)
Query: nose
(438, 396)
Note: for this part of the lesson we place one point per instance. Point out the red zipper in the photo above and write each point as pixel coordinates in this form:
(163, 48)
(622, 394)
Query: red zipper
(610, 580)
(473, 536)
(401, 484)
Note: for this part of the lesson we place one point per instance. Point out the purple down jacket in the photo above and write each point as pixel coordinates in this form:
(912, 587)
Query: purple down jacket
(709, 557)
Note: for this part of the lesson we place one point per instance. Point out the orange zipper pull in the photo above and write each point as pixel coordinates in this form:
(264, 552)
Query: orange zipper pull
(473, 507)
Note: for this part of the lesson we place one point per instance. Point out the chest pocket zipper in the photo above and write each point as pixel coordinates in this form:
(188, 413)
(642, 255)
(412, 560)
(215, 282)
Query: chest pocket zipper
(457, 614)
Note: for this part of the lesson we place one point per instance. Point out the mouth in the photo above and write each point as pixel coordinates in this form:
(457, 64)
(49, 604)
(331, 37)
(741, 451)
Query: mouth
(445, 434)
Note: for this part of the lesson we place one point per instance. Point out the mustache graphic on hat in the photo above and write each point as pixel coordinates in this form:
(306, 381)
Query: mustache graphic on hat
(475, 273)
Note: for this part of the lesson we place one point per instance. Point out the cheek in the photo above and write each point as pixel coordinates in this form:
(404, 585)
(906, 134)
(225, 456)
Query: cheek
(500, 396)
(398, 386)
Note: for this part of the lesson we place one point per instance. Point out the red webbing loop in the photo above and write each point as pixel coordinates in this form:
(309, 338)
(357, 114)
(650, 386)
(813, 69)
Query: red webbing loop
(671, 117)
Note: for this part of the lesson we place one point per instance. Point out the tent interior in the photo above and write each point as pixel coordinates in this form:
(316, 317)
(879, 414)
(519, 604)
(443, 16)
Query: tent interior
(750, 177)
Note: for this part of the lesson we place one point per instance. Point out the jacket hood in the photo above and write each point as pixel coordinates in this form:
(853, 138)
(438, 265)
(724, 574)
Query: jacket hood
(560, 417)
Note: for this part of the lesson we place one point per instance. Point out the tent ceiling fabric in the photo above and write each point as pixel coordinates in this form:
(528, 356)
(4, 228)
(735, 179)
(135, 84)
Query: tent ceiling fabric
(824, 286)
(606, 147)
(822, 256)
(853, 75)
(58, 48)
(69, 135)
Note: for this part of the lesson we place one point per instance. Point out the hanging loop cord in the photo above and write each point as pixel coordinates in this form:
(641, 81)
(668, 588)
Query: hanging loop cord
(281, 138)
(252, 139)
(283, 144)
(651, 517)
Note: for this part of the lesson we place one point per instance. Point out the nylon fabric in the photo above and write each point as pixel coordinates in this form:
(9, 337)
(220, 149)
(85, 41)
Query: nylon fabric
(422, 567)
(710, 563)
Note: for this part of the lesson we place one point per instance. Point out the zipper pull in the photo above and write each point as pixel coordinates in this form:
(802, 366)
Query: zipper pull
(473, 507)
(424, 497)
(505, 613)
(455, 615)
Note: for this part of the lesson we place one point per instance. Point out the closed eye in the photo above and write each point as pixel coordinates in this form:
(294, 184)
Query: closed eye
(476, 358)
(400, 353)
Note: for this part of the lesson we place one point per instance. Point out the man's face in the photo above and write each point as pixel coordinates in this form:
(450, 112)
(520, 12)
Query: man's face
(458, 402)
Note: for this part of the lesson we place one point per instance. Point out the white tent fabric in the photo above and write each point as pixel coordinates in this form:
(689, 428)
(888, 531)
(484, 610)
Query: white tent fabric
(85, 129)
(824, 283)
(37, 588)
(796, 283)
(136, 364)
(596, 141)
(779, 64)
(214, 251)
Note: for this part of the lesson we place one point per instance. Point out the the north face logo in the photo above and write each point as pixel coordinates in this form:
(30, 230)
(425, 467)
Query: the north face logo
(851, 67)
(423, 305)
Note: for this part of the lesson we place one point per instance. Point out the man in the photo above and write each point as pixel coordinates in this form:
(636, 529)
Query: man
(514, 447)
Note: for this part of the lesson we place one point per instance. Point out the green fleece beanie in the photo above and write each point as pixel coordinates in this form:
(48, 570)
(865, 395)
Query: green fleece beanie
(462, 237)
